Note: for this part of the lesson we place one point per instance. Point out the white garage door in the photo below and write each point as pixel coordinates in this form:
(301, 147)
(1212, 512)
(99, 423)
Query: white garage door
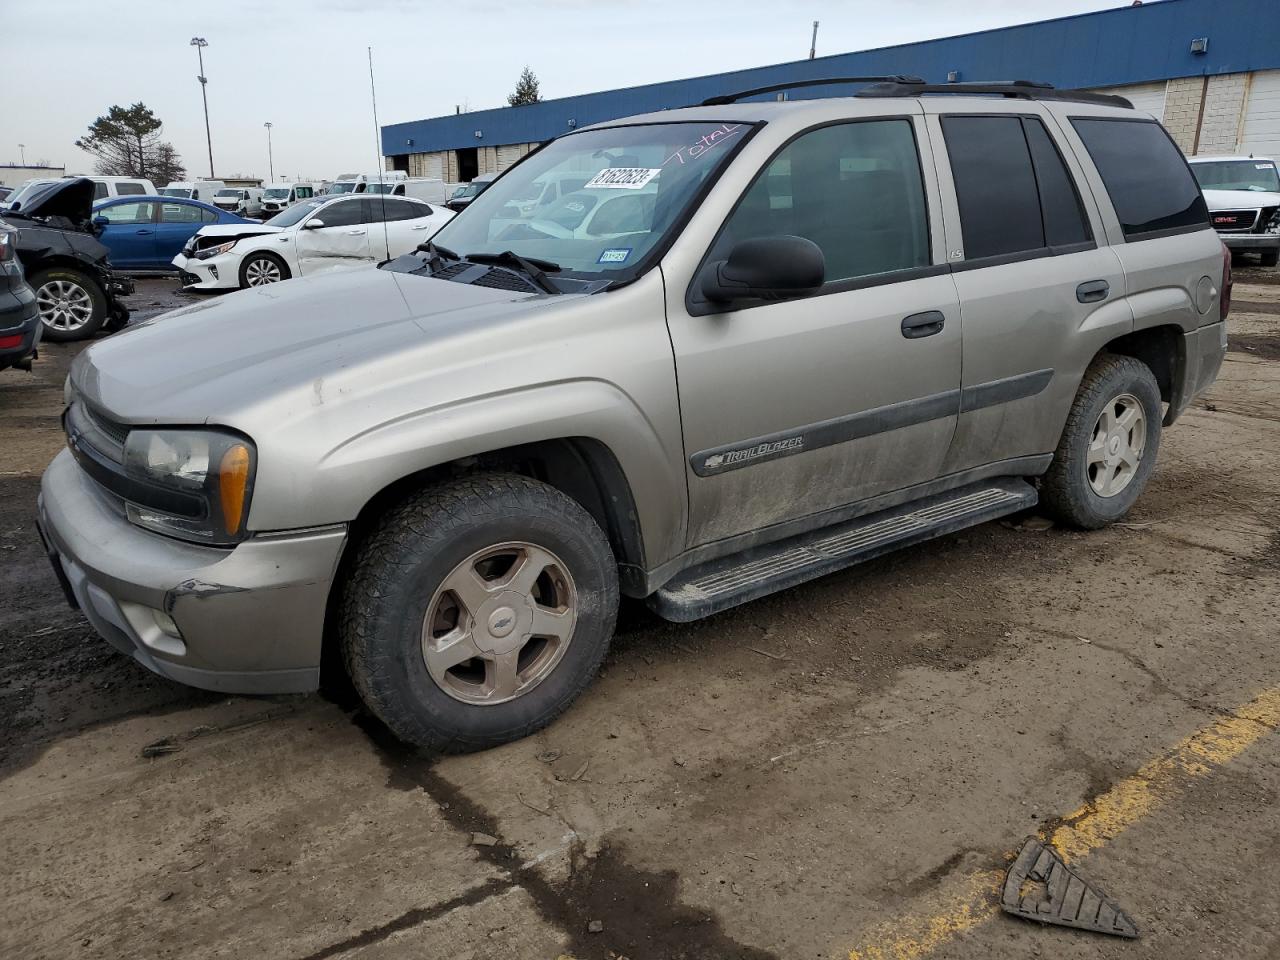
(1260, 134)
(1147, 97)
(510, 153)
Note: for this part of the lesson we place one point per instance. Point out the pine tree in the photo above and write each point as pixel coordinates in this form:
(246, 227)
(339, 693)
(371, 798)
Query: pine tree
(526, 89)
(126, 142)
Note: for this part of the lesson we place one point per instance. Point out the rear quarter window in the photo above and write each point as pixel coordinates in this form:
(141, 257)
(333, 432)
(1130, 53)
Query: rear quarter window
(1148, 180)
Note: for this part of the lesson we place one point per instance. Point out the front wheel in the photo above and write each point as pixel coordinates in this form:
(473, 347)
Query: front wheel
(260, 269)
(1108, 447)
(72, 306)
(1269, 258)
(477, 611)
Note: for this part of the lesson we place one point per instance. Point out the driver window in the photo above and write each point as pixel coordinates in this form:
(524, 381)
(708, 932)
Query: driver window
(121, 213)
(854, 189)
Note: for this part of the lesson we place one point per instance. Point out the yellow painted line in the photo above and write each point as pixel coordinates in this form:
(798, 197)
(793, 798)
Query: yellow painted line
(974, 898)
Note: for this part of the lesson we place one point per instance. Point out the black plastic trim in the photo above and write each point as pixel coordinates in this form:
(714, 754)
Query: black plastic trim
(725, 99)
(1005, 390)
(111, 477)
(960, 266)
(1019, 89)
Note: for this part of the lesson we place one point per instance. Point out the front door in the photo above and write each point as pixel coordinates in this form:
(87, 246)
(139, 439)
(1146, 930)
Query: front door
(795, 409)
(178, 223)
(130, 234)
(342, 241)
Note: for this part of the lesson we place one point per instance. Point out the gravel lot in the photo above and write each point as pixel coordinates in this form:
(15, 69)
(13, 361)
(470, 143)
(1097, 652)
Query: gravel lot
(840, 770)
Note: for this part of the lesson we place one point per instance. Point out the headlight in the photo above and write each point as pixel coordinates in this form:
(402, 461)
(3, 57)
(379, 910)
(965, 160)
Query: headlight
(204, 478)
(208, 252)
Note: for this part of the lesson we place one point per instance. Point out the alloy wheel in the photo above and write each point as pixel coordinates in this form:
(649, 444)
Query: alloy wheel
(260, 271)
(1116, 446)
(64, 305)
(499, 623)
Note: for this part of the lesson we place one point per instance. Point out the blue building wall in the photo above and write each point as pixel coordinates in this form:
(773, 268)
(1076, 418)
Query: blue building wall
(1108, 48)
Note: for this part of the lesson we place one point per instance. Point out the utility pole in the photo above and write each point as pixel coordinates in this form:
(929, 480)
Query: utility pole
(200, 43)
(813, 45)
(271, 164)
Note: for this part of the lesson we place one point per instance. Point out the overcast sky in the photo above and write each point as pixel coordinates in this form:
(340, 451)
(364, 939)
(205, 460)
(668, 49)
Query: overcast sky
(302, 65)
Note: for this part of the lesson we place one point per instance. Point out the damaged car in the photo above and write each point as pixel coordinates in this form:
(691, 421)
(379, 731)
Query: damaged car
(66, 264)
(311, 237)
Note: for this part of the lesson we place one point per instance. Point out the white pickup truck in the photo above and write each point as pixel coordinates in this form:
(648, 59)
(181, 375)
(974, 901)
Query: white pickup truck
(1243, 194)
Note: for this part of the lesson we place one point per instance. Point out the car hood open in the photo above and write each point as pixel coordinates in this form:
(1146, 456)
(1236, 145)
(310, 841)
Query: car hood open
(71, 198)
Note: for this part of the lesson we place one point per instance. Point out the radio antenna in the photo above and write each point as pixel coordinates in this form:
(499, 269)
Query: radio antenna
(377, 152)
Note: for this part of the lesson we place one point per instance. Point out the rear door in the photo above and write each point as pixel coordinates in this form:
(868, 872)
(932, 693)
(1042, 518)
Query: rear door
(342, 241)
(1040, 290)
(407, 224)
(130, 234)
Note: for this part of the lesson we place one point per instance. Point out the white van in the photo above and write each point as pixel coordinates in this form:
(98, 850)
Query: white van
(278, 196)
(358, 182)
(244, 201)
(430, 189)
(103, 189)
(204, 190)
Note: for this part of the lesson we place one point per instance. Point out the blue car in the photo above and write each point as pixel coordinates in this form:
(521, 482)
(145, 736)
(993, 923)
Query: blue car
(146, 233)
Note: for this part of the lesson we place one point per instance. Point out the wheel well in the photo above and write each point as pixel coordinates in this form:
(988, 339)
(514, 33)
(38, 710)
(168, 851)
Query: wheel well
(580, 467)
(1162, 349)
(57, 260)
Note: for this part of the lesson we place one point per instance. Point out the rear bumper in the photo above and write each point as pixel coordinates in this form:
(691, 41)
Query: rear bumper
(250, 619)
(1251, 241)
(18, 318)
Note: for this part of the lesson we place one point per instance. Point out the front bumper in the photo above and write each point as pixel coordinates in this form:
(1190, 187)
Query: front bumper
(251, 618)
(216, 273)
(1251, 241)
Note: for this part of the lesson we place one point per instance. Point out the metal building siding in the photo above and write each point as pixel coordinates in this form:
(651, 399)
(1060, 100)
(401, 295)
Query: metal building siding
(1109, 48)
(1148, 97)
(1260, 132)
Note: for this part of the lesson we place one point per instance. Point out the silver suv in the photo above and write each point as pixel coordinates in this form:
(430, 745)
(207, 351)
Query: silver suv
(758, 342)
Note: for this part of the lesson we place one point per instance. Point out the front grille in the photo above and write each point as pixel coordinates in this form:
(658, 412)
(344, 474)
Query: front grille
(116, 432)
(1234, 219)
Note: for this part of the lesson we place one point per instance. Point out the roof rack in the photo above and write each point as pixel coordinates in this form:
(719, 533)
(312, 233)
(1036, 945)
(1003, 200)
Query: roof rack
(1018, 89)
(822, 81)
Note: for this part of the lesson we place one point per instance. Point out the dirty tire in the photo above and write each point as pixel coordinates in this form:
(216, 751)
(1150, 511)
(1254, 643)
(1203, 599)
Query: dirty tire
(1269, 258)
(407, 557)
(1065, 491)
(65, 276)
(262, 263)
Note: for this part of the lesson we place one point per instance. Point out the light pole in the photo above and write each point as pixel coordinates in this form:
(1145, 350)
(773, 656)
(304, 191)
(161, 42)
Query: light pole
(271, 164)
(200, 43)
(22, 149)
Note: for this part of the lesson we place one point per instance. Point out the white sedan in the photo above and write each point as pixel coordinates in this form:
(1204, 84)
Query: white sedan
(315, 236)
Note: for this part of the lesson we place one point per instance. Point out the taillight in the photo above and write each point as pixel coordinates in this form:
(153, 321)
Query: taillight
(1224, 301)
(6, 245)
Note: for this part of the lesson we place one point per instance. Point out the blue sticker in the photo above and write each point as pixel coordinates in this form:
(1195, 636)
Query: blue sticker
(615, 255)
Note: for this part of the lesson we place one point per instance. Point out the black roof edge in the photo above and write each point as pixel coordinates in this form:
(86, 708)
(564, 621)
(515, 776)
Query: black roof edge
(1017, 89)
(821, 81)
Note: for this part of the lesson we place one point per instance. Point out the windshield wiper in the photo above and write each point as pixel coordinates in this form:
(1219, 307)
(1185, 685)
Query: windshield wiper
(532, 267)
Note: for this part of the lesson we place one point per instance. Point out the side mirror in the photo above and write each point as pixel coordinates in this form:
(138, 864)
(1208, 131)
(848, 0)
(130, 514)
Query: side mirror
(101, 221)
(315, 223)
(766, 268)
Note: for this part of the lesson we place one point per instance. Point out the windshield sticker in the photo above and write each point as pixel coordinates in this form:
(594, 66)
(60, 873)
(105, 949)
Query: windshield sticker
(1262, 166)
(708, 141)
(615, 255)
(622, 178)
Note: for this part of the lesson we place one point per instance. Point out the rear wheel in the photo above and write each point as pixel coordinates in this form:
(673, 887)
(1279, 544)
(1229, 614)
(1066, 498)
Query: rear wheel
(477, 611)
(72, 306)
(260, 269)
(1108, 446)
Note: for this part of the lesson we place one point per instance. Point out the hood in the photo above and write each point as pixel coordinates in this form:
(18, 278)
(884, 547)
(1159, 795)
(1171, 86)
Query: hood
(1240, 199)
(71, 198)
(220, 359)
(246, 229)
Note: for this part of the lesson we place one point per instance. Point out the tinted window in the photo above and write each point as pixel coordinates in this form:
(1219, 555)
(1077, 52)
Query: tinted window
(302, 193)
(208, 216)
(1064, 221)
(119, 213)
(180, 213)
(854, 189)
(99, 190)
(995, 185)
(343, 214)
(1145, 175)
(129, 188)
(395, 209)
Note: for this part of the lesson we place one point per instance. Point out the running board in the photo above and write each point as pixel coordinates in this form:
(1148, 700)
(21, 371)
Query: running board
(720, 584)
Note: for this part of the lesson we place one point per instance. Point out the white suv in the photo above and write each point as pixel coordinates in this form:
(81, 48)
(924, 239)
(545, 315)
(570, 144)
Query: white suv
(1243, 195)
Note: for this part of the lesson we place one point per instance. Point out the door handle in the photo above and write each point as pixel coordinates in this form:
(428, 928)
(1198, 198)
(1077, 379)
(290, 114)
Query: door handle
(1093, 291)
(355, 233)
(923, 324)
(143, 233)
(423, 227)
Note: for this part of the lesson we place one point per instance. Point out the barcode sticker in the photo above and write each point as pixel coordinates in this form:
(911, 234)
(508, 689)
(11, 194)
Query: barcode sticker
(621, 178)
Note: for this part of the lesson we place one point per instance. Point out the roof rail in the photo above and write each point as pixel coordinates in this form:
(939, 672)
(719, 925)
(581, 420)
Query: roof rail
(822, 81)
(1018, 89)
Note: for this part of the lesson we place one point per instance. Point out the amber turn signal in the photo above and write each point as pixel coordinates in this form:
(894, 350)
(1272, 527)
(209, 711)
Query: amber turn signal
(233, 480)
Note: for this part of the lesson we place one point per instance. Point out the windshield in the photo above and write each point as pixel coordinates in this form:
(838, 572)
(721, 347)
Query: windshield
(634, 183)
(176, 192)
(276, 193)
(299, 211)
(228, 193)
(466, 190)
(345, 187)
(1256, 175)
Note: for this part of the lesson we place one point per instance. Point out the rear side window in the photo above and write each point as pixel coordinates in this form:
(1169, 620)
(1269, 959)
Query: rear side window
(128, 188)
(1145, 175)
(99, 190)
(1015, 193)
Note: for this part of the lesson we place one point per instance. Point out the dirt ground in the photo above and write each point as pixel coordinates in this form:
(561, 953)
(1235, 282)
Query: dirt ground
(841, 770)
